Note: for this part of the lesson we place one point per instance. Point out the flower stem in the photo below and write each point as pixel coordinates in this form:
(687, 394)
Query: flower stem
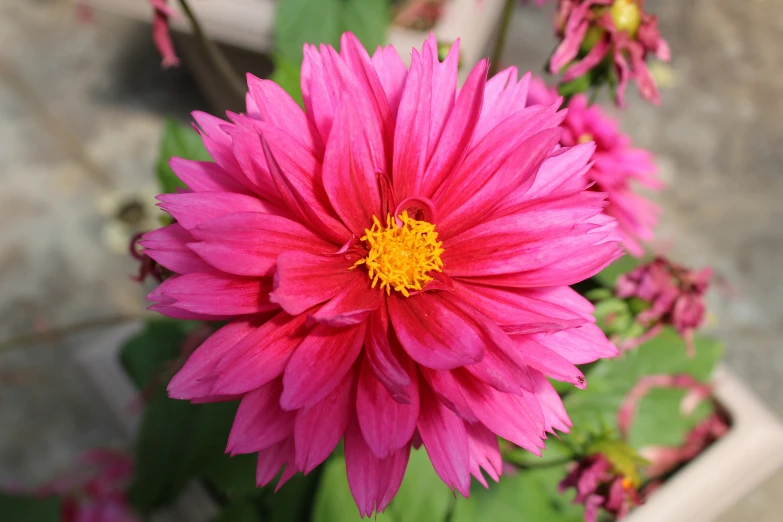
(539, 465)
(500, 42)
(214, 54)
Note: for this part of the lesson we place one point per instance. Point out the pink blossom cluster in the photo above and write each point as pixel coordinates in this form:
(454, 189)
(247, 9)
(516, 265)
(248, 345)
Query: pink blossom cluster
(600, 486)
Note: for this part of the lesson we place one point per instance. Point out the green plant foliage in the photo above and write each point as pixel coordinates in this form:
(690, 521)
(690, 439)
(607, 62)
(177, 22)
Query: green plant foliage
(323, 21)
(21, 508)
(144, 355)
(242, 511)
(608, 276)
(178, 141)
(529, 495)
(422, 497)
(334, 501)
(658, 420)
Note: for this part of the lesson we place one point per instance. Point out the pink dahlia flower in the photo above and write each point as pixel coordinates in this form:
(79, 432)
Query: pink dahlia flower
(160, 32)
(593, 29)
(616, 165)
(395, 260)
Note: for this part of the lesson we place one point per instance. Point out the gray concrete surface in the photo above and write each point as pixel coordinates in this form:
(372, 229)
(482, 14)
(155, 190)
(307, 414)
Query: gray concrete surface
(718, 139)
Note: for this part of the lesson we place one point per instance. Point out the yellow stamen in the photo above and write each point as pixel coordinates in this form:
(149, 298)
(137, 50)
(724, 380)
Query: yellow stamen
(627, 484)
(585, 138)
(401, 256)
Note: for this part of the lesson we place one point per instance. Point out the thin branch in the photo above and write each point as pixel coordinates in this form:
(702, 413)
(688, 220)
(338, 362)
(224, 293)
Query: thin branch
(500, 42)
(58, 333)
(215, 55)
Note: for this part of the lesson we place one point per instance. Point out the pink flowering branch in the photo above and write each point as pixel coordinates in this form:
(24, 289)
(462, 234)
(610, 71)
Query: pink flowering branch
(697, 392)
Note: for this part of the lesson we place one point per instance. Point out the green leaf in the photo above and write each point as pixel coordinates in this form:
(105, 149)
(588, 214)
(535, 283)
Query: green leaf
(178, 141)
(287, 75)
(144, 355)
(234, 477)
(323, 21)
(580, 84)
(294, 501)
(658, 420)
(608, 276)
(423, 497)
(20, 508)
(243, 511)
(333, 501)
(528, 496)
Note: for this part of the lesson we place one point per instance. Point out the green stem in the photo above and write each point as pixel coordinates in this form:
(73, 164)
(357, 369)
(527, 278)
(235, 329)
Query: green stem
(539, 465)
(214, 54)
(500, 42)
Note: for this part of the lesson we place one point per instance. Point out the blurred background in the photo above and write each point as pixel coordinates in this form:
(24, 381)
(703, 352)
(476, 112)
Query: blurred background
(82, 105)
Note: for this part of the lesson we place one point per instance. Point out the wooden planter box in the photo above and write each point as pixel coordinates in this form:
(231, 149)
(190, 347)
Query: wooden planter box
(749, 453)
(244, 27)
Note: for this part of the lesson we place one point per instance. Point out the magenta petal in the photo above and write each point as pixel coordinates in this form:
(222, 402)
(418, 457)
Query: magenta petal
(260, 421)
(319, 428)
(386, 424)
(271, 459)
(446, 442)
(555, 416)
(548, 362)
(445, 387)
(385, 354)
(352, 305)
(217, 294)
(248, 243)
(261, 356)
(304, 280)
(391, 73)
(319, 364)
(435, 330)
(484, 452)
(579, 345)
(350, 171)
(373, 481)
(205, 176)
(194, 379)
(168, 246)
(505, 414)
(192, 209)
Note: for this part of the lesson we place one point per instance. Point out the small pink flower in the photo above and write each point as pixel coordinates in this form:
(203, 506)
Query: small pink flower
(592, 29)
(394, 261)
(160, 32)
(616, 165)
(675, 294)
(599, 486)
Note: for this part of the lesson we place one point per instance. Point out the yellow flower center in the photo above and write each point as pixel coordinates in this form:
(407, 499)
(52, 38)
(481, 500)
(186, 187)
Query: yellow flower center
(585, 138)
(627, 16)
(401, 256)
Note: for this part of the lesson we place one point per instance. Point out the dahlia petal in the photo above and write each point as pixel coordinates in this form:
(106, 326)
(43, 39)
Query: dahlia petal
(561, 170)
(555, 416)
(538, 356)
(435, 332)
(293, 169)
(448, 392)
(517, 311)
(499, 371)
(216, 294)
(504, 414)
(304, 280)
(219, 145)
(411, 134)
(581, 345)
(444, 82)
(452, 142)
(246, 147)
(384, 356)
(446, 441)
(260, 421)
(168, 246)
(318, 92)
(496, 172)
(593, 58)
(372, 481)
(248, 243)
(484, 452)
(319, 428)
(261, 356)
(205, 176)
(503, 97)
(319, 364)
(272, 459)
(358, 61)
(193, 380)
(569, 46)
(349, 171)
(352, 305)
(386, 424)
(192, 209)
(392, 74)
(276, 106)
